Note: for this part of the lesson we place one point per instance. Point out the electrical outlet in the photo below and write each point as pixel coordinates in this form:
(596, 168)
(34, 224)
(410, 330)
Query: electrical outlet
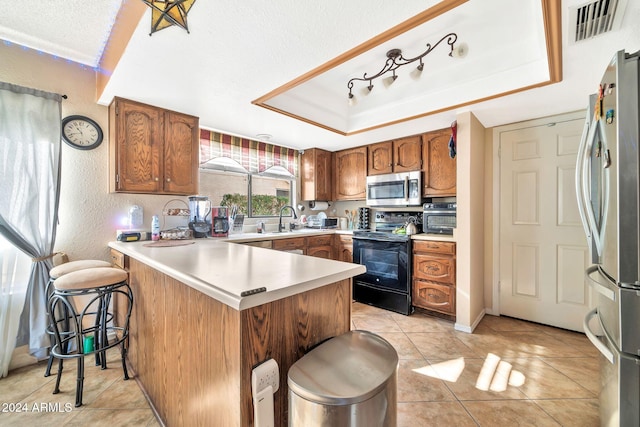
(263, 375)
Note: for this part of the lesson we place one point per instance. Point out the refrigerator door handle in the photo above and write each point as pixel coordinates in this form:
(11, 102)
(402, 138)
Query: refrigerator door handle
(580, 164)
(602, 288)
(597, 342)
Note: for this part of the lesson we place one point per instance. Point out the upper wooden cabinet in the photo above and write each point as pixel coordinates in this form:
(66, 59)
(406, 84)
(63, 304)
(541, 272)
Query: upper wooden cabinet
(439, 168)
(401, 155)
(316, 175)
(350, 174)
(152, 150)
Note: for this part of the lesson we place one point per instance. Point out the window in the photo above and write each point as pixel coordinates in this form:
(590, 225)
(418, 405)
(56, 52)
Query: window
(257, 177)
(256, 195)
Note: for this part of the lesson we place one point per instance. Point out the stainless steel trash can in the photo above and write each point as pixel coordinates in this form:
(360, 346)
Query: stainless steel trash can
(349, 380)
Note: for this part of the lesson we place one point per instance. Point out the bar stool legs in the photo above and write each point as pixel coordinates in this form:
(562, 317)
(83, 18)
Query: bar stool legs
(85, 319)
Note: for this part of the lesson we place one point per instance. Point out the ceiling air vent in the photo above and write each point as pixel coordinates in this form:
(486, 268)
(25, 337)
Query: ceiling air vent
(595, 18)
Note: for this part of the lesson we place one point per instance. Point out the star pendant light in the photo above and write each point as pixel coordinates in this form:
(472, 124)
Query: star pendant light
(167, 13)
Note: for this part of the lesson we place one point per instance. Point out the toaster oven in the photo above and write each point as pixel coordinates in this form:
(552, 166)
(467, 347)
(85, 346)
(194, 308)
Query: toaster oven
(439, 218)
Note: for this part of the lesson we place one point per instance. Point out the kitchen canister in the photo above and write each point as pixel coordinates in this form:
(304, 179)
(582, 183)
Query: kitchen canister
(344, 223)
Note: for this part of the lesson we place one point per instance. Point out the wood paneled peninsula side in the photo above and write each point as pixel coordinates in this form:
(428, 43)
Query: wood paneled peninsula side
(194, 338)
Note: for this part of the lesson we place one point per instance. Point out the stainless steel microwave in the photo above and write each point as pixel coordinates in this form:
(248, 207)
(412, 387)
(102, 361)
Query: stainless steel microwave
(395, 189)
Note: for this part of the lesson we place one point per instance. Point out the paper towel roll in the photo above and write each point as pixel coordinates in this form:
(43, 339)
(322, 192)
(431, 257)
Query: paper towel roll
(319, 206)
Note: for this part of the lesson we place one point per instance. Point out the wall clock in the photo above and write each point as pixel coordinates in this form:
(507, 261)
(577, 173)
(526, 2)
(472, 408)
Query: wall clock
(81, 132)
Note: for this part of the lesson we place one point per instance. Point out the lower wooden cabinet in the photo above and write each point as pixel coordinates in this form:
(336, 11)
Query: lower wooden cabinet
(434, 276)
(343, 247)
(320, 246)
(292, 244)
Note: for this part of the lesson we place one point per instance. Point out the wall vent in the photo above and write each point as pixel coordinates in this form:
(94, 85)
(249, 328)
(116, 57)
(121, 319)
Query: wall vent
(595, 18)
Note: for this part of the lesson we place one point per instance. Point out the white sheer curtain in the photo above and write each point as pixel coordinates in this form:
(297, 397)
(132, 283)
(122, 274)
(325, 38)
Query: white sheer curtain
(29, 194)
(15, 268)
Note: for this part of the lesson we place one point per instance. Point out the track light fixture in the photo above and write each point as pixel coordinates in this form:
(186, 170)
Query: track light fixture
(394, 61)
(165, 13)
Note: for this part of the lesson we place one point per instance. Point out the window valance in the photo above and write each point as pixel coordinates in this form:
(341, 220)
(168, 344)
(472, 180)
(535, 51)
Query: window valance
(254, 156)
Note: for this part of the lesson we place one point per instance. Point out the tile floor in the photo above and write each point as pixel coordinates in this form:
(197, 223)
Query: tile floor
(508, 372)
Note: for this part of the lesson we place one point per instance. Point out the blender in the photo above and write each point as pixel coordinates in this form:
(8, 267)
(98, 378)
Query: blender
(199, 210)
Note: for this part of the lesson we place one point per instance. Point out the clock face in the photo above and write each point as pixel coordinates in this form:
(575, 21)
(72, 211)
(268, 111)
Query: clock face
(81, 132)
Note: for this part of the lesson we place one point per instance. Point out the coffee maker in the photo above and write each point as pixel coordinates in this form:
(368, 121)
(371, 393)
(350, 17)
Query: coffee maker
(199, 210)
(220, 221)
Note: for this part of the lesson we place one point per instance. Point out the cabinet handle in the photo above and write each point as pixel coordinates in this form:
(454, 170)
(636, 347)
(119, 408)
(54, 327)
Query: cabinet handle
(156, 179)
(168, 179)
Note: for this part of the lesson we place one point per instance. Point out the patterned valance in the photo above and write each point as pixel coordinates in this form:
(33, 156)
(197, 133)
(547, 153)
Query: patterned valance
(254, 156)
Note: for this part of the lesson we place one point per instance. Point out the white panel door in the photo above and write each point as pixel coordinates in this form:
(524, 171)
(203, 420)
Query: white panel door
(543, 251)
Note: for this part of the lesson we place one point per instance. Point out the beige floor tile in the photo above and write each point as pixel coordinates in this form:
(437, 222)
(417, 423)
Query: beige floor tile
(479, 380)
(577, 340)
(542, 381)
(39, 414)
(433, 414)
(538, 343)
(572, 412)
(111, 418)
(415, 385)
(375, 323)
(120, 395)
(522, 413)
(358, 308)
(580, 370)
(418, 322)
(440, 345)
(402, 344)
(21, 382)
(503, 323)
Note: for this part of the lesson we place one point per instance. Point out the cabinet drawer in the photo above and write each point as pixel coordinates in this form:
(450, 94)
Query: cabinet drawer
(314, 241)
(434, 267)
(434, 296)
(289, 244)
(119, 259)
(434, 246)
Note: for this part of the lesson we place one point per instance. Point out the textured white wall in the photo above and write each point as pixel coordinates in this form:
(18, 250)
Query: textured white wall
(89, 214)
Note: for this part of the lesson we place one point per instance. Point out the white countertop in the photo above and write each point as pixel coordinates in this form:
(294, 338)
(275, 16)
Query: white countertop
(223, 270)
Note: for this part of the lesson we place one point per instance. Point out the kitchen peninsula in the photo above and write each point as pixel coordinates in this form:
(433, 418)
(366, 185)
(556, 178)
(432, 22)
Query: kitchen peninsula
(194, 337)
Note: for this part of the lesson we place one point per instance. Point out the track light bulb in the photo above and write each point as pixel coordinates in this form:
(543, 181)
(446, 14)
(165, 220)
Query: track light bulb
(388, 81)
(352, 100)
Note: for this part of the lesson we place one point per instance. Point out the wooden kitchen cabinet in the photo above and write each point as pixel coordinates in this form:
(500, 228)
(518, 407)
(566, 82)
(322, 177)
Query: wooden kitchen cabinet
(291, 244)
(152, 150)
(434, 276)
(350, 174)
(320, 246)
(439, 168)
(343, 247)
(316, 176)
(401, 155)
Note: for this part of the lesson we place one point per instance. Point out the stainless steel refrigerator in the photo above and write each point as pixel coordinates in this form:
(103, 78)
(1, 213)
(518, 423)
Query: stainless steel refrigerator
(608, 190)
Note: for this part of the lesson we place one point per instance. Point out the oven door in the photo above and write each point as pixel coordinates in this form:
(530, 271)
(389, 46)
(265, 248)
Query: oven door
(388, 263)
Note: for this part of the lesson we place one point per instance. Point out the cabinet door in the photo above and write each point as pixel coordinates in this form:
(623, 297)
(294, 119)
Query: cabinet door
(181, 152)
(138, 144)
(407, 154)
(380, 158)
(320, 252)
(344, 248)
(316, 175)
(434, 296)
(434, 267)
(351, 174)
(439, 169)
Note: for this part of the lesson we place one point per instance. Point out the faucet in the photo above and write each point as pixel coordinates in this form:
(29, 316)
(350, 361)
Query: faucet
(280, 226)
